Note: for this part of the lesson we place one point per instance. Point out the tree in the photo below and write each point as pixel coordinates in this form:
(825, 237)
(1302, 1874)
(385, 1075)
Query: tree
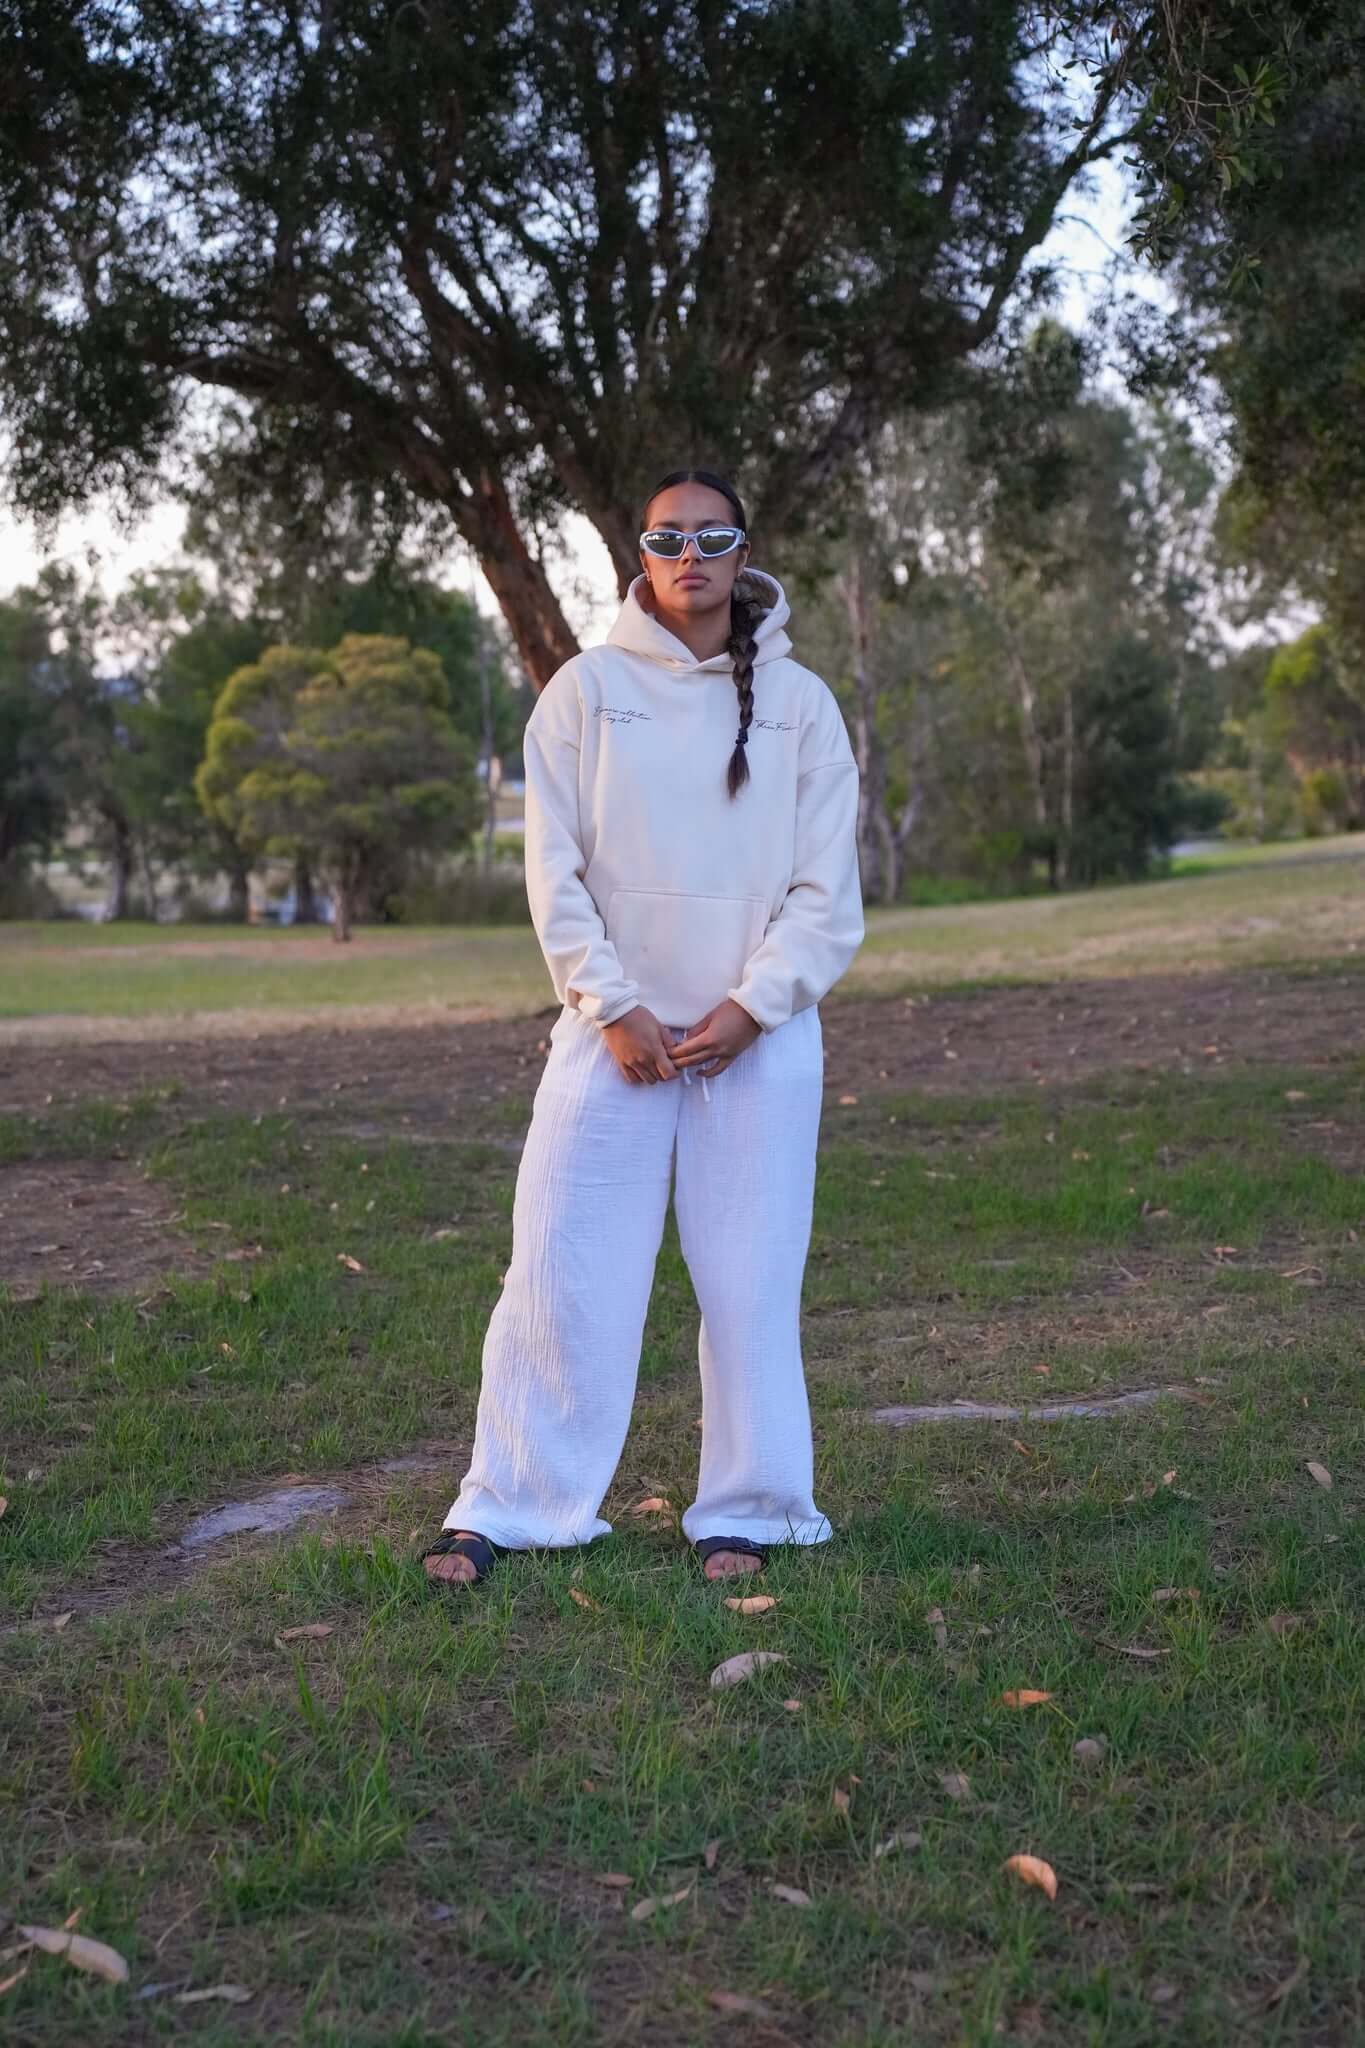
(1317, 716)
(32, 801)
(503, 260)
(348, 756)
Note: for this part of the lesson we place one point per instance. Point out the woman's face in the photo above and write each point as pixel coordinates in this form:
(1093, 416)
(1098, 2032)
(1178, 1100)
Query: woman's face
(692, 587)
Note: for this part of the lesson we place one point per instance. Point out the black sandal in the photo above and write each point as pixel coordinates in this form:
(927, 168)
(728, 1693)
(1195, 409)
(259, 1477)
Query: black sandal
(744, 1546)
(482, 1550)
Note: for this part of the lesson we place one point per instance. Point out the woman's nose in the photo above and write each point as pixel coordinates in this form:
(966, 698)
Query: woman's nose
(694, 544)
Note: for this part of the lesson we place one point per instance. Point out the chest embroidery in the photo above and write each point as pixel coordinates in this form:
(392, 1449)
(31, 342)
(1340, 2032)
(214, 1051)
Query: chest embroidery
(616, 715)
(773, 724)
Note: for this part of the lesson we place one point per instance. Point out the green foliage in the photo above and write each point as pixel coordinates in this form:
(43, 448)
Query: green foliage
(347, 756)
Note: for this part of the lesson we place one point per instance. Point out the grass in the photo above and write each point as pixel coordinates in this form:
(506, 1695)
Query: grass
(1274, 910)
(396, 1833)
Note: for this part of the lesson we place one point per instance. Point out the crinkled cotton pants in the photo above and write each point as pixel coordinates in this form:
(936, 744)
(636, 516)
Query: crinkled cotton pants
(562, 1350)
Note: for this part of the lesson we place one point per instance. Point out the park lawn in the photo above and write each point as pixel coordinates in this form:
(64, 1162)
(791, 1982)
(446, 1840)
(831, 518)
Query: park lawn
(397, 1833)
(1287, 905)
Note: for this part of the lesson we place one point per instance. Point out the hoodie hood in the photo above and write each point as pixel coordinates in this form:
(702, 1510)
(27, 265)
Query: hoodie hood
(639, 632)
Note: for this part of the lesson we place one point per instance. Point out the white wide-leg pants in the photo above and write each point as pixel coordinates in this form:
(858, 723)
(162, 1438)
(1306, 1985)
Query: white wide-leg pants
(562, 1350)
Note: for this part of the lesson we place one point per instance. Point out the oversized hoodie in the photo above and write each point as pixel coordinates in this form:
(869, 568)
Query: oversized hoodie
(647, 882)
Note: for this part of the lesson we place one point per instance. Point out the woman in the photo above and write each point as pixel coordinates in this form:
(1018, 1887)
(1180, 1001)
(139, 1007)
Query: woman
(691, 914)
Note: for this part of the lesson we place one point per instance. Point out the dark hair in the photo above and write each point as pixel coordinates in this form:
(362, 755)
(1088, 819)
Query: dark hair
(746, 609)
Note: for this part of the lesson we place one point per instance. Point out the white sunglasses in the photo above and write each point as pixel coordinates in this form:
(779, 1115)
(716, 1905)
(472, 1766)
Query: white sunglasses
(669, 542)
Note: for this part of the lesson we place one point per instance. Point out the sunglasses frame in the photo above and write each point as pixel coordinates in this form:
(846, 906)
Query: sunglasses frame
(717, 526)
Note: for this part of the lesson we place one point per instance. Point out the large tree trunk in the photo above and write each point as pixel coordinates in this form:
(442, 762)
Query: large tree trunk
(239, 892)
(148, 878)
(545, 640)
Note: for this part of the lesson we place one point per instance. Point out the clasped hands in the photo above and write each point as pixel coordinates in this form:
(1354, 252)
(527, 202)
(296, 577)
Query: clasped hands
(641, 1049)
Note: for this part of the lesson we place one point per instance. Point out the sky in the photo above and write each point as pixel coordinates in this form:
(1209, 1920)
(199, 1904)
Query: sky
(1086, 235)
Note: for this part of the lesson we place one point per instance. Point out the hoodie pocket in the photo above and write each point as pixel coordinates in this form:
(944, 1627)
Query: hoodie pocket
(684, 950)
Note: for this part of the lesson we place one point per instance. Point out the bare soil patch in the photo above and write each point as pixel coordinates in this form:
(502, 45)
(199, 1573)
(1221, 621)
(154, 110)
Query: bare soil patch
(441, 1074)
(94, 1225)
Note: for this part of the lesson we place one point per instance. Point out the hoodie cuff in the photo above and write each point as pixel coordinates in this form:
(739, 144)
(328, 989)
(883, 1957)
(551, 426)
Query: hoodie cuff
(746, 1003)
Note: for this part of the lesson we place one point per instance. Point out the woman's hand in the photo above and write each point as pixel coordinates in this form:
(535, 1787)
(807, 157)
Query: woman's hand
(718, 1039)
(637, 1044)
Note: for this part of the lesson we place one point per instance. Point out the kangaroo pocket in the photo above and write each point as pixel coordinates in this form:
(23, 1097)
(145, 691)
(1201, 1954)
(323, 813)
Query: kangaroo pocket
(684, 950)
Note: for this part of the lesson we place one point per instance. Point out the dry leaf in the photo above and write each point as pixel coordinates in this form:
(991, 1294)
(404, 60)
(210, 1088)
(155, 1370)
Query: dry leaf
(311, 1631)
(1033, 1870)
(351, 1265)
(904, 1838)
(655, 1505)
(3, 1503)
(736, 1669)
(1320, 1473)
(1284, 1624)
(79, 1950)
(752, 1603)
(230, 1994)
(847, 1101)
(710, 1852)
(841, 1797)
(1090, 1749)
(1024, 1698)
(1166, 1593)
(1131, 1649)
(792, 1706)
(648, 1906)
(585, 1599)
(793, 1894)
(9, 1983)
(955, 1784)
(617, 1879)
(934, 1619)
(1023, 1449)
(60, 1621)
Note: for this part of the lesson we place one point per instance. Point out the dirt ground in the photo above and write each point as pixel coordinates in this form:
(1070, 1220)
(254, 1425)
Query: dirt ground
(432, 1071)
(100, 1225)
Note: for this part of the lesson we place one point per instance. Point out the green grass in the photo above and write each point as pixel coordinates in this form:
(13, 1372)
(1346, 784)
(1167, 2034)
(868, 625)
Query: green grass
(1271, 910)
(224, 1809)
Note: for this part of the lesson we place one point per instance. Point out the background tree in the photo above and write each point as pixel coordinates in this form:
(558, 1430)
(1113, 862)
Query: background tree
(348, 756)
(511, 259)
(32, 799)
(1316, 716)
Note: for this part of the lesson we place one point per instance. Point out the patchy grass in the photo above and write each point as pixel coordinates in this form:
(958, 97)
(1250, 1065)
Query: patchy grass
(410, 1817)
(1280, 908)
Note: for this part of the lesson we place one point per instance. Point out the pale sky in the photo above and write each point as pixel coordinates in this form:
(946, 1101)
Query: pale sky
(1087, 234)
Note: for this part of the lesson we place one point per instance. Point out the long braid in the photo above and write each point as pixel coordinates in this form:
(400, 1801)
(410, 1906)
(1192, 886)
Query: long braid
(742, 645)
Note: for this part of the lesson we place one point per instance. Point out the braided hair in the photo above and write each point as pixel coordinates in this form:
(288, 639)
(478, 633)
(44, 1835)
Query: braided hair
(748, 602)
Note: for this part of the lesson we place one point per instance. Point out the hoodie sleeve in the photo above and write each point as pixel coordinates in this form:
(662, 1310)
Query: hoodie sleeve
(583, 963)
(813, 937)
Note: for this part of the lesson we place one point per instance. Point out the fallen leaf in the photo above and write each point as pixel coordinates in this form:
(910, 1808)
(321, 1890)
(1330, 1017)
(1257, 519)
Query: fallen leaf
(934, 1620)
(229, 1994)
(79, 1950)
(793, 1894)
(752, 1603)
(1166, 1593)
(3, 1503)
(904, 1838)
(710, 1852)
(1033, 1870)
(792, 1706)
(736, 1669)
(955, 1785)
(1090, 1749)
(351, 1265)
(312, 1631)
(1024, 1698)
(617, 1879)
(585, 1599)
(847, 1101)
(1296, 1095)
(841, 1798)
(1023, 1449)
(655, 1505)
(1285, 1624)
(648, 1906)
(1320, 1473)
(8, 1983)
(60, 1621)
(1131, 1649)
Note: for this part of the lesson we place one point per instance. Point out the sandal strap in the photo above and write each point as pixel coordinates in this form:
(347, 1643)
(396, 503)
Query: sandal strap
(481, 1549)
(706, 1546)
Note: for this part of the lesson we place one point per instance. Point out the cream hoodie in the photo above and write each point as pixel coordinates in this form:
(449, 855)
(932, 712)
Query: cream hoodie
(647, 882)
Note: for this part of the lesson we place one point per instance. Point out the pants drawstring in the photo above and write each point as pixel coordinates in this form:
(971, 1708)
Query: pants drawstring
(687, 1076)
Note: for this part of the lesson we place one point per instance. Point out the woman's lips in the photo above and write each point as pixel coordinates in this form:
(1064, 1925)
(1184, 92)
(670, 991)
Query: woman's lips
(684, 581)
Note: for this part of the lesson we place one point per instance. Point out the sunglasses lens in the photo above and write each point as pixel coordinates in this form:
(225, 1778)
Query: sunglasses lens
(669, 545)
(717, 540)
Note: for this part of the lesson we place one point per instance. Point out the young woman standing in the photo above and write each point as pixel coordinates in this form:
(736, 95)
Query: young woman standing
(695, 892)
